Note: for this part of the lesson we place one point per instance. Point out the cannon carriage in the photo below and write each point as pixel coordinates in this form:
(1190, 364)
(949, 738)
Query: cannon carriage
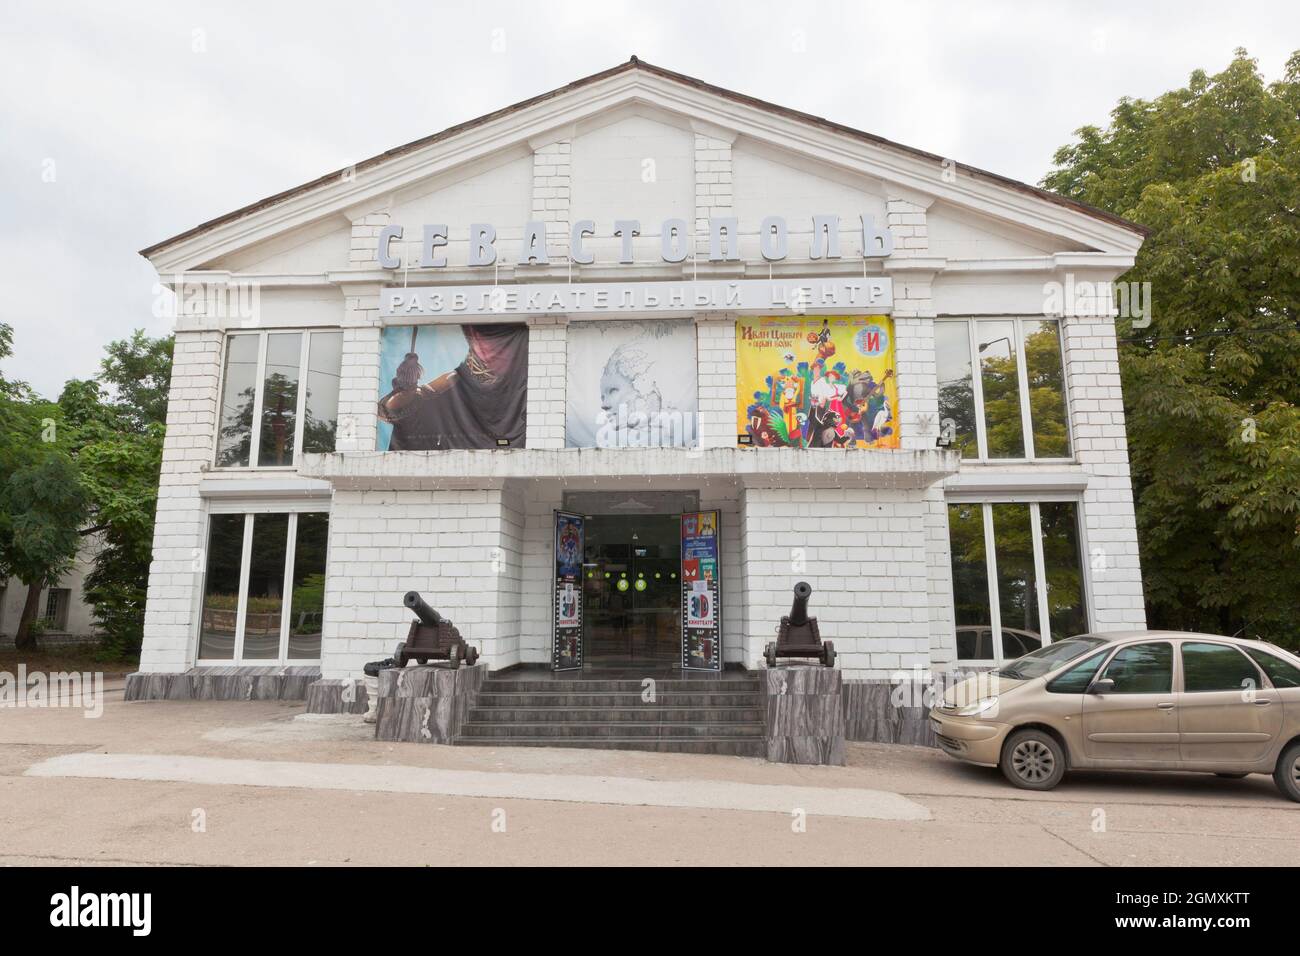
(798, 634)
(432, 637)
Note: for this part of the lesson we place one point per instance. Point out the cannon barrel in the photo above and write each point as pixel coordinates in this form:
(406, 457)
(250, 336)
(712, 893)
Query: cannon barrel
(426, 614)
(799, 609)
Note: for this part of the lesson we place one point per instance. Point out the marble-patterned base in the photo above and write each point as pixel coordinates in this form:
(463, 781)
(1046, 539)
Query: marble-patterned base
(884, 712)
(338, 696)
(426, 703)
(224, 683)
(804, 718)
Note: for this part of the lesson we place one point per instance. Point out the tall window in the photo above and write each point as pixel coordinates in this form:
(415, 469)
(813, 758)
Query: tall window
(57, 601)
(279, 397)
(264, 590)
(1017, 576)
(1002, 387)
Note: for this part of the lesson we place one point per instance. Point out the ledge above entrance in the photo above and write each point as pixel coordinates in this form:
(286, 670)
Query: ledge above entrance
(773, 467)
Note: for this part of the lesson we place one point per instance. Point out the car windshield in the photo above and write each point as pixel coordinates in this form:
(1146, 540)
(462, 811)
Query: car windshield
(1049, 658)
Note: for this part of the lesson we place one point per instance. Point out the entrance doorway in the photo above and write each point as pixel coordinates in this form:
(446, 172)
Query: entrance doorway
(631, 589)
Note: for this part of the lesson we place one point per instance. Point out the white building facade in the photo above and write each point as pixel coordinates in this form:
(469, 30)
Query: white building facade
(878, 371)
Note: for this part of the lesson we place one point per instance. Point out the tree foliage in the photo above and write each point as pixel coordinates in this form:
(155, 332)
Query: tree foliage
(1212, 385)
(83, 473)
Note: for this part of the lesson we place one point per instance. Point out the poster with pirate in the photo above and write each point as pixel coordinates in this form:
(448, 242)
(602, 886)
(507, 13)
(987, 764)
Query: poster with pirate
(453, 386)
(816, 382)
(566, 653)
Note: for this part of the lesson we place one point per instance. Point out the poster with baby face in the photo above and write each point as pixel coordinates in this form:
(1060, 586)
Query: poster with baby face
(817, 382)
(631, 385)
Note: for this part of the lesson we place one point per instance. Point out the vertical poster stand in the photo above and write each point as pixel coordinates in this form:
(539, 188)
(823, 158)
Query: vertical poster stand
(569, 547)
(701, 592)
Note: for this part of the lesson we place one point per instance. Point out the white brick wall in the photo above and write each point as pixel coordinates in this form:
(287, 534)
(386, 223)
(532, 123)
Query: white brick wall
(176, 572)
(715, 356)
(863, 550)
(1097, 422)
(548, 344)
(458, 548)
(552, 172)
(713, 185)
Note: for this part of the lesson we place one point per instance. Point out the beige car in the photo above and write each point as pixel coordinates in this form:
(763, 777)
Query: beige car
(1140, 700)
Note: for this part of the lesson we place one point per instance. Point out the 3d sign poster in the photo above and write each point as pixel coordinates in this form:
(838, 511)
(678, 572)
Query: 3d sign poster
(816, 382)
(453, 386)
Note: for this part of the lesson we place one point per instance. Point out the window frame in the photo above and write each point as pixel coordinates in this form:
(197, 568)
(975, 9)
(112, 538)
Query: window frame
(1262, 682)
(1022, 373)
(250, 511)
(985, 503)
(300, 404)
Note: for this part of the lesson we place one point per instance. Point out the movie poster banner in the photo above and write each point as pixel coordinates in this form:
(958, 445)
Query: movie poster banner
(631, 385)
(816, 382)
(567, 645)
(452, 386)
(701, 592)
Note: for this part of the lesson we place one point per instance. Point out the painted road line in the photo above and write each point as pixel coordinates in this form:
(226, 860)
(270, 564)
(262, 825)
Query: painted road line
(568, 788)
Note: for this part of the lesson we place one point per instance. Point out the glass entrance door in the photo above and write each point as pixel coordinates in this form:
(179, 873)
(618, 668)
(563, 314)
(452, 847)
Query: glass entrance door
(631, 589)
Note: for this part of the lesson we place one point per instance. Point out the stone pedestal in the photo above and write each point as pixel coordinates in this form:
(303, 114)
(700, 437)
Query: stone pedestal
(426, 703)
(804, 714)
(344, 695)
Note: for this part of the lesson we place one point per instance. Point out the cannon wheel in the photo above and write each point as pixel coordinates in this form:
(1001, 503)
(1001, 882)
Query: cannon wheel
(471, 656)
(453, 656)
(828, 654)
(399, 655)
(769, 655)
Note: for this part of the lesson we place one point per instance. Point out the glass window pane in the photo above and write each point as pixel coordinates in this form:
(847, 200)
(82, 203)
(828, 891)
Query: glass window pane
(1078, 677)
(1142, 669)
(265, 587)
(1000, 381)
(1046, 388)
(1209, 667)
(280, 398)
(238, 384)
(1063, 567)
(1013, 550)
(221, 588)
(970, 582)
(321, 410)
(956, 389)
(1279, 671)
(307, 607)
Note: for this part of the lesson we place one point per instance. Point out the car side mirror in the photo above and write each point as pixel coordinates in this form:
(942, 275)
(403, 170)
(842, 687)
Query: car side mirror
(1103, 686)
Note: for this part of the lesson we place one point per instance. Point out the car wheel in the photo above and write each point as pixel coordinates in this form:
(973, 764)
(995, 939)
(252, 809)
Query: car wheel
(1287, 774)
(1033, 760)
(1232, 776)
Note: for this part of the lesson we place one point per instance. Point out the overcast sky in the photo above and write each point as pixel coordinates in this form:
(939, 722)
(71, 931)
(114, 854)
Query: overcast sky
(119, 129)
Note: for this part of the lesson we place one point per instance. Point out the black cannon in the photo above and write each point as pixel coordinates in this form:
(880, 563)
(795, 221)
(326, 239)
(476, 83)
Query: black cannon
(798, 635)
(432, 637)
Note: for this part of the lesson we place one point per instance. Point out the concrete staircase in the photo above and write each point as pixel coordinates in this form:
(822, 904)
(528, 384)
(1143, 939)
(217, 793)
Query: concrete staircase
(695, 715)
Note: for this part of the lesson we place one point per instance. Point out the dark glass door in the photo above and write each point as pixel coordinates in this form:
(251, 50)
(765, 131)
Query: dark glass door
(631, 591)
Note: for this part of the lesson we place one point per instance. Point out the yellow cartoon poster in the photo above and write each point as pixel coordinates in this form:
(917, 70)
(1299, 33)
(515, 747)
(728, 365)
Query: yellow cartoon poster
(816, 382)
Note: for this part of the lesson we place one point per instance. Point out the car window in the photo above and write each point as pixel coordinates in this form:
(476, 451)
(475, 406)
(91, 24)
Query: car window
(1049, 658)
(1281, 673)
(1209, 667)
(1142, 669)
(1078, 677)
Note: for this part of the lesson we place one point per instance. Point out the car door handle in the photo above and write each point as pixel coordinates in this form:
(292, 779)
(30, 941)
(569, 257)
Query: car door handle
(1262, 702)
(1167, 705)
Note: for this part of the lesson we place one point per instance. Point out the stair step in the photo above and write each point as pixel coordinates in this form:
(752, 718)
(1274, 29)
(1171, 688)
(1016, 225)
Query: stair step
(728, 746)
(561, 728)
(649, 712)
(564, 700)
(615, 685)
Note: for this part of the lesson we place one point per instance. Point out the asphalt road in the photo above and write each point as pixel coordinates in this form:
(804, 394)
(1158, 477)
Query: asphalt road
(252, 783)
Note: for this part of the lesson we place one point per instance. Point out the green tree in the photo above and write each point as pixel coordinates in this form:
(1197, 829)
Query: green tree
(1212, 385)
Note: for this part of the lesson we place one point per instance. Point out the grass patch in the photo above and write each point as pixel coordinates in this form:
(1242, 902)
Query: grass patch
(78, 657)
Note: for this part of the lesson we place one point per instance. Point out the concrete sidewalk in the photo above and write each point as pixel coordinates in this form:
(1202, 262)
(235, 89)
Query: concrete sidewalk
(259, 782)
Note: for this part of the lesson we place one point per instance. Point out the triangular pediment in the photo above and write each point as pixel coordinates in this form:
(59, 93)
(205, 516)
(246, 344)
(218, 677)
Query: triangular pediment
(632, 133)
